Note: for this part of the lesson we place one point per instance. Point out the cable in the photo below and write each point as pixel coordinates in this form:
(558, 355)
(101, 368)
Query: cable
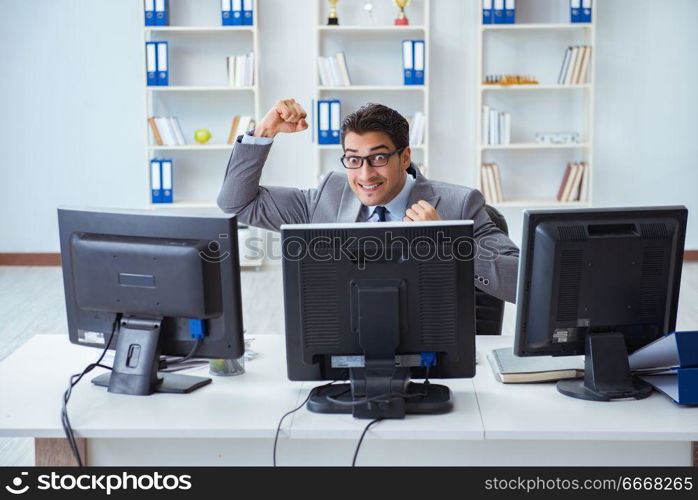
(278, 427)
(381, 398)
(73, 381)
(193, 350)
(358, 445)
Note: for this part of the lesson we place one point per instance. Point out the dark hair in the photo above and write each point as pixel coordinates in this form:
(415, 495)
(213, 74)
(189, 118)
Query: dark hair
(378, 118)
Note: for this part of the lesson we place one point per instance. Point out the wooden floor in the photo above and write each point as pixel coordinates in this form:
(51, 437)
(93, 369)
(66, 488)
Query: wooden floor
(31, 302)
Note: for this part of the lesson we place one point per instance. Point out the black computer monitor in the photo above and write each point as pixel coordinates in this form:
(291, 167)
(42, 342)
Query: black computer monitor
(601, 282)
(379, 303)
(158, 281)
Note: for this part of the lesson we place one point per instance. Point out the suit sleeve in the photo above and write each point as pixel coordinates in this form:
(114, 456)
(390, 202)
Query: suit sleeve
(267, 207)
(497, 258)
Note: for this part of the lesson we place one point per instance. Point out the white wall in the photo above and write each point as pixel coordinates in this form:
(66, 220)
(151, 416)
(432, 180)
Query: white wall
(72, 104)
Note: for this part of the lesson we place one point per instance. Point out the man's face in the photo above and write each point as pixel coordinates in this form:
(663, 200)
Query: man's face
(375, 185)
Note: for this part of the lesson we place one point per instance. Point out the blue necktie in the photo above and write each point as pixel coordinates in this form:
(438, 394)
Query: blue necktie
(381, 211)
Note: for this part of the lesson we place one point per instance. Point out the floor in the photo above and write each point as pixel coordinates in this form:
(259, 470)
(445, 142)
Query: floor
(31, 302)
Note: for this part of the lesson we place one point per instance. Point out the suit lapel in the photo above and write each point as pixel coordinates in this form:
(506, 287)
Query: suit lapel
(422, 190)
(349, 206)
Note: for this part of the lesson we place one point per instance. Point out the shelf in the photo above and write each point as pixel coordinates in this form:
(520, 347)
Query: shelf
(376, 29)
(193, 147)
(205, 88)
(547, 86)
(540, 203)
(535, 145)
(358, 88)
(152, 29)
(535, 26)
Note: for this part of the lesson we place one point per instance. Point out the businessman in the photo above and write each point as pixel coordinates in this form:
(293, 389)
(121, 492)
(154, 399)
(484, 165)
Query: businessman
(381, 184)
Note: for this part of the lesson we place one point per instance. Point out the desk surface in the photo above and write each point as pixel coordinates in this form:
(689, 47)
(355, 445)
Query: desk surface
(33, 379)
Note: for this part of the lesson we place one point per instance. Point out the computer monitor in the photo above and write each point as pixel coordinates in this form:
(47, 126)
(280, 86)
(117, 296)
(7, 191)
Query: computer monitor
(600, 282)
(161, 282)
(379, 303)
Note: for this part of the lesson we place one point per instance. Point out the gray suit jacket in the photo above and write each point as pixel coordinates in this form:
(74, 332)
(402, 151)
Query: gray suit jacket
(333, 200)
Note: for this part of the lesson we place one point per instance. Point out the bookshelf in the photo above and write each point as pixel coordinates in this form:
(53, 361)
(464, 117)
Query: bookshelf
(367, 41)
(198, 94)
(531, 173)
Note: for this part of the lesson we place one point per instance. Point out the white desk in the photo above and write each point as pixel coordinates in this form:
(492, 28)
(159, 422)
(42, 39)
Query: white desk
(233, 420)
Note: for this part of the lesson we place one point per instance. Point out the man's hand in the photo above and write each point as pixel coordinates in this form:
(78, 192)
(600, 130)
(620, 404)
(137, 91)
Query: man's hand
(421, 211)
(285, 116)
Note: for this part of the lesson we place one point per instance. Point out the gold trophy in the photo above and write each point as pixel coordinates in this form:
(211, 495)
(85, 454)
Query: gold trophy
(333, 20)
(402, 18)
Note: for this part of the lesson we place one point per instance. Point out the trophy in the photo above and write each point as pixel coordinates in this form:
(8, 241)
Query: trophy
(333, 20)
(402, 18)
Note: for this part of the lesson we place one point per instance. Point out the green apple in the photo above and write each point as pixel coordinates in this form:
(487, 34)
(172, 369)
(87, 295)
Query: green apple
(202, 135)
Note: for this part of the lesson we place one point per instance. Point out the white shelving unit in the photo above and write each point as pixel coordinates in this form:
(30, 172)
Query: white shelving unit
(200, 97)
(363, 38)
(531, 173)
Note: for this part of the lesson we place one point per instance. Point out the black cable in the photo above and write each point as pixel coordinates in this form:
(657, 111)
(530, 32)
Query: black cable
(381, 398)
(193, 350)
(278, 427)
(358, 445)
(72, 382)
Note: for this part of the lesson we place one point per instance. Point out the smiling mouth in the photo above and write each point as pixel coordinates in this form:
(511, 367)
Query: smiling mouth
(370, 186)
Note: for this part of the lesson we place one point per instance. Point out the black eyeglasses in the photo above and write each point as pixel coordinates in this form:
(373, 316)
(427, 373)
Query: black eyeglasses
(375, 160)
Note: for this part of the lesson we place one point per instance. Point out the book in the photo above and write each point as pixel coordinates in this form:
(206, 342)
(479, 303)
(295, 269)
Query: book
(156, 132)
(343, 70)
(497, 183)
(510, 369)
(232, 136)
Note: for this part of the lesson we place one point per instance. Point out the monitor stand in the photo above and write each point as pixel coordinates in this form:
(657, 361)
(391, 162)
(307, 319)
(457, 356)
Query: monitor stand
(377, 310)
(136, 363)
(606, 372)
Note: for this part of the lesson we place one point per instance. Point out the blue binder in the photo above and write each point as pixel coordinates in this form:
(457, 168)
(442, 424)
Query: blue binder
(247, 14)
(586, 11)
(155, 182)
(675, 349)
(680, 384)
(498, 11)
(149, 8)
(151, 63)
(226, 13)
(335, 120)
(419, 54)
(575, 11)
(161, 13)
(163, 70)
(166, 181)
(487, 12)
(509, 11)
(237, 12)
(407, 62)
(323, 122)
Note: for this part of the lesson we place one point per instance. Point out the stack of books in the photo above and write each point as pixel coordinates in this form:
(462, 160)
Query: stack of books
(239, 126)
(496, 126)
(241, 70)
(167, 131)
(575, 65)
(491, 183)
(417, 127)
(575, 183)
(334, 71)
